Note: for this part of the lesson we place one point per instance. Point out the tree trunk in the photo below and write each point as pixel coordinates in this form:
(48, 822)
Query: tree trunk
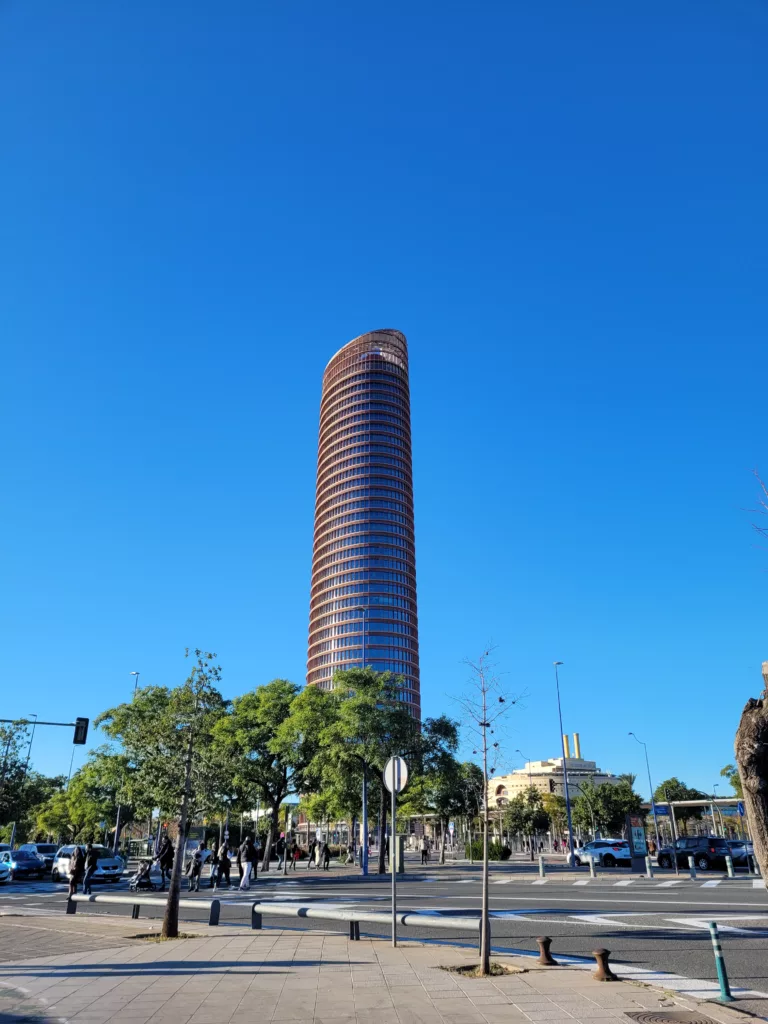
(170, 928)
(443, 827)
(751, 749)
(273, 830)
(382, 827)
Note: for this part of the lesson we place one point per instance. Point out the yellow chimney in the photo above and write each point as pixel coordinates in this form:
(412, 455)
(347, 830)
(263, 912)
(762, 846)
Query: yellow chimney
(567, 745)
(576, 746)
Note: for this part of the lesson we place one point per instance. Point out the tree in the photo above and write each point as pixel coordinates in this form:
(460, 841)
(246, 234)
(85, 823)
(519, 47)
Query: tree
(751, 749)
(554, 806)
(605, 807)
(731, 773)
(525, 814)
(484, 705)
(448, 793)
(167, 740)
(673, 789)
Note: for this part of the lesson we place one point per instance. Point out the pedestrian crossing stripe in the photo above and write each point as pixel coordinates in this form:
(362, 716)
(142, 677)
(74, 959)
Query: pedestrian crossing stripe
(626, 881)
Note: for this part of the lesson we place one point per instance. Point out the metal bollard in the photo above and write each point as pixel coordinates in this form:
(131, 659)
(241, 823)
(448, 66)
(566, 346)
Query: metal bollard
(215, 911)
(592, 872)
(255, 918)
(729, 866)
(542, 870)
(135, 912)
(691, 867)
(545, 957)
(354, 931)
(648, 867)
(71, 906)
(722, 974)
(755, 865)
(603, 972)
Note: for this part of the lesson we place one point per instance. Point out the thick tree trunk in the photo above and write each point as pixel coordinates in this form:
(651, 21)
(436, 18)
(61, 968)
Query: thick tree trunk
(751, 749)
(382, 827)
(170, 928)
(272, 836)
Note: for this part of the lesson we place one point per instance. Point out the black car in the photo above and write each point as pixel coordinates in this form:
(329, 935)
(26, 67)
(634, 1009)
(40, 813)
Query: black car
(707, 852)
(741, 851)
(46, 850)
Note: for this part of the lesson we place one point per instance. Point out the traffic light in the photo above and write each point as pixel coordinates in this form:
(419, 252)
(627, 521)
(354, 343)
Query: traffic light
(551, 785)
(81, 730)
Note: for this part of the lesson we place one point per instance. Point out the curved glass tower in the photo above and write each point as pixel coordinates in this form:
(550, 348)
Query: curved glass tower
(363, 600)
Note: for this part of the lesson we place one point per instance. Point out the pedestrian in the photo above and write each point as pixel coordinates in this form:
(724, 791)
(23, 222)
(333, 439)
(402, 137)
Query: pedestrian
(386, 849)
(294, 854)
(222, 881)
(214, 862)
(195, 867)
(76, 869)
(239, 862)
(91, 863)
(326, 857)
(424, 850)
(280, 850)
(248, 857)
(165, 860)
(311, 853)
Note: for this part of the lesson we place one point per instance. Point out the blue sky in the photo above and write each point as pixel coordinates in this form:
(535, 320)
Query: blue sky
(563, 207)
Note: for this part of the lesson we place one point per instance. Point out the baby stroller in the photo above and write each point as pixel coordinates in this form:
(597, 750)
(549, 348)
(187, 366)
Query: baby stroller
(141, 882)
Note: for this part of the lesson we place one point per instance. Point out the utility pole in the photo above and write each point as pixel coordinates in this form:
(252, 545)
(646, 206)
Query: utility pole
(572, 854)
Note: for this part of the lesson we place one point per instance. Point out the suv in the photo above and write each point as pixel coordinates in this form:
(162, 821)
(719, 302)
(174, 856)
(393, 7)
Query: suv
(108, 869)
(45, 850)
(707, 852)
(606, 852)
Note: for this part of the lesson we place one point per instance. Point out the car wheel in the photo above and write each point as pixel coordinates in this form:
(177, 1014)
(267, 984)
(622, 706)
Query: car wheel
(702, 863)
(577, 862)
(54, 875)
(664, 861)
(609, 861)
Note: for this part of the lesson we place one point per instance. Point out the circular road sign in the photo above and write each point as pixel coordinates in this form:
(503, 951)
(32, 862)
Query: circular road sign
(396, 775)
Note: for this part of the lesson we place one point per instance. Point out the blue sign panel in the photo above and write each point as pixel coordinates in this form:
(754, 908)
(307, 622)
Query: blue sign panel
(740, 808)
(660, 810)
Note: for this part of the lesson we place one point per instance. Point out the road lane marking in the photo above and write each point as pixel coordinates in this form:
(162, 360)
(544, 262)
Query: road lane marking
(584, 881)
(541, 881)
(666, 885)
(627, 881)
(711, 885)
(758, 883)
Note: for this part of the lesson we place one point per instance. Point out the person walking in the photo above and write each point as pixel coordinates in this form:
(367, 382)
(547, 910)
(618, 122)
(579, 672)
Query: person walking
(214, 862)
(165, 860)
(326, 857)
(222, 880)
(76, 869)
(239, 862)
(311, 853)
(294, 855)
(280, 850)
(248, 857)
(91, 863)
(195, 868)
(424, 850)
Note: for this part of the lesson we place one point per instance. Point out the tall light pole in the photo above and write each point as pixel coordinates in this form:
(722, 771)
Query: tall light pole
(364, 814)
(719, 812)
(650, 785)
(572, 854)
(530, 786)
(136, 683)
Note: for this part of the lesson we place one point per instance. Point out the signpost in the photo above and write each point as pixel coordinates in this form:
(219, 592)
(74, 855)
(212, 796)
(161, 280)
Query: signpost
(638, 847)
(395, 779)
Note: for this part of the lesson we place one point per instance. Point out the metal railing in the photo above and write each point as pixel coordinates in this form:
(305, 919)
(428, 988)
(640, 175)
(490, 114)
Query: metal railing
(137, 901)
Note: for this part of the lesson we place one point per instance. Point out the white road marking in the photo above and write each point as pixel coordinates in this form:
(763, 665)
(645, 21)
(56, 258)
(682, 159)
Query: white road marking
(627, 881)
(541, 881)
(666, 885)
(584, 881)
(711, 885)
(758, 883)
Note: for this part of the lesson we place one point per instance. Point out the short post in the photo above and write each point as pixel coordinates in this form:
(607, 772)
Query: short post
(545, 957)
(603, 972)
(755, 865)
(71, 906)
(354, 931)
(135, 912)
(255, 917)
(592, 872)
(542, 869)
(215, 911)
(648, 867)
(729, 866)
(722, 974)
(691, 867)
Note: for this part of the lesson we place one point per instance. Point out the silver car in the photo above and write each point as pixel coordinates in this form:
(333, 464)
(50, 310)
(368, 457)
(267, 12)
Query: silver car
(108, 869)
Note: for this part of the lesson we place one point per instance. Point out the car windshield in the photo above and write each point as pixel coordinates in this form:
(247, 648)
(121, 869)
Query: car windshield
(24, 855)
(46, 848)
(104, 854)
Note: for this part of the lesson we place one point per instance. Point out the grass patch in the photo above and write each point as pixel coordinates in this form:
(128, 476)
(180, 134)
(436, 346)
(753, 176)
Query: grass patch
(473, 970)
(157, 937)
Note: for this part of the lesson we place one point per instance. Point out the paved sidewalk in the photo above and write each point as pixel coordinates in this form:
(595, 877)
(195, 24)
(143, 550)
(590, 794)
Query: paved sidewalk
(239, 976)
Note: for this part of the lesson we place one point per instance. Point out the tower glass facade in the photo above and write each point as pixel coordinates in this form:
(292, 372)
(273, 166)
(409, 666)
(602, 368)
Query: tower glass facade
(363, 598)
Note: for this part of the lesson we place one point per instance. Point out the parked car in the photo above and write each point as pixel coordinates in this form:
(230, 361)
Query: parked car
(605, 852)
(5, 872)
(23, 864)
(741, 851)
(108, 869)
(707, 852)
(45, 850)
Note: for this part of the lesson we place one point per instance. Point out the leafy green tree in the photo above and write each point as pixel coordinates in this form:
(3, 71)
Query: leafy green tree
(606, 806)
(525, 814)
(448, 789)
(731, 773)
(166, 736)
(674, 789)
(554, 806)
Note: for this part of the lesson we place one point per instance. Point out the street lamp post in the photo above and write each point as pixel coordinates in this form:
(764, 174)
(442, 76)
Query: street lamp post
(719, 812)
(530, 786)
(136, 682)
(572, 853)
(650, 785)
(364, 814)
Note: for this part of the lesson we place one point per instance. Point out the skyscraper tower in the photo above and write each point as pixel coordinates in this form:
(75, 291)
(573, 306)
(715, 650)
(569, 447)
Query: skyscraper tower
(362, 607)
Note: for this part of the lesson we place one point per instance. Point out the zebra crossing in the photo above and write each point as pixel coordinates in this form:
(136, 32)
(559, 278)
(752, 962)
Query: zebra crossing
(645, 883)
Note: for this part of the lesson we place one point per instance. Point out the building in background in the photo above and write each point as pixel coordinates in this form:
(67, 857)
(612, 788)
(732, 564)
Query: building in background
(363, 594)
(547, 776)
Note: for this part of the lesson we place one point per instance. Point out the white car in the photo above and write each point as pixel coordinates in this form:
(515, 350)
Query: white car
(108, 869)
(5, 872)
(605, 852)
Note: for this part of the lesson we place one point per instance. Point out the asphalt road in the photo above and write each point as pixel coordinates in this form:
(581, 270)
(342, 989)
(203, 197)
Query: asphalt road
(660, 924)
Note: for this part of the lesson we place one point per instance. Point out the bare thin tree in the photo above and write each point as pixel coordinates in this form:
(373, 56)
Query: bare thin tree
(483, 706)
